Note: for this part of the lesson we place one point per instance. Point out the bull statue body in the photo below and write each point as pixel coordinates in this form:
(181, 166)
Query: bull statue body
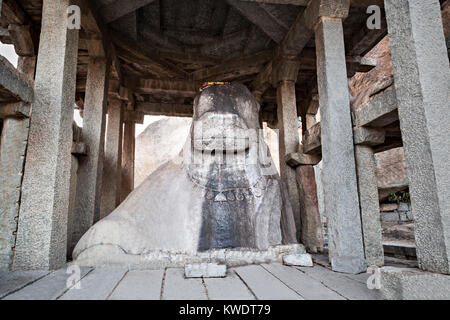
(221, 192)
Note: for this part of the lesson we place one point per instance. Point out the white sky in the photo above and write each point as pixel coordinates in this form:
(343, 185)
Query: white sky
(7, 50)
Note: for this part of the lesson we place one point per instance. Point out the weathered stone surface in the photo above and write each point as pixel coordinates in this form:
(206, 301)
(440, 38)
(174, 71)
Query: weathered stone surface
(161, 140)
(391, 172)
(71, 240)
(16, 110)
(97, 285)
(422, 84)
(311, 232)
(41, 238)
(229, 288)
(90, 168)
(339, 172)
(112, 166)
(307, 287)
(196, 203)
(400, 250)
(264, 285)
(390, 216)
(386, 207)
(369, 205)
(368, 136)
(13, 84)
(205, 270)
(128, 157)
(325, 8)
(288, 143)
(12, 159)
(50, 287)
(299, 260)
(312, 140)
(414, 284)
(379, 112)
(139, 285)
(176, 287)
(12, 281)
(79, 149)
(365, 87)
(297, 159)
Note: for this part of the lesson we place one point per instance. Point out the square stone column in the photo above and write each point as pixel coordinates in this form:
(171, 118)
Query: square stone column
(422, 84)
(12, 159)
(311, 236)
(42, 231)
(370, 205)
(128, 157)
(90, 168)
(288, 143)
(112, 165)
(339, 172)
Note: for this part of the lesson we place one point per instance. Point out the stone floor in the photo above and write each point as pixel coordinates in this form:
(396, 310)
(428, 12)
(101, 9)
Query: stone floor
(265, 282)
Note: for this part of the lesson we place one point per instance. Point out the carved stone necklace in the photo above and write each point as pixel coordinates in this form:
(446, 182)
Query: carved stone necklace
(230, 187)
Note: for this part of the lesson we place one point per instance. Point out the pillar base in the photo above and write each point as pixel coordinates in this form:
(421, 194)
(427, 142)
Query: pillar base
(346, 264)
(414, 284)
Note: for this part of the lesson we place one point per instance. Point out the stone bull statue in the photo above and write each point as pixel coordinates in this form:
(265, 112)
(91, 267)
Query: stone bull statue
(221, 192)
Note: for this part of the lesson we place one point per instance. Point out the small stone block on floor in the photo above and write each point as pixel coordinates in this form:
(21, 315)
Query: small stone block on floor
(205, 270)
(299, 260)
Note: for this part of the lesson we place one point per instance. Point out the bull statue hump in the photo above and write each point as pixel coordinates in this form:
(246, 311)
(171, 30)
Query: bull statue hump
(221, 192)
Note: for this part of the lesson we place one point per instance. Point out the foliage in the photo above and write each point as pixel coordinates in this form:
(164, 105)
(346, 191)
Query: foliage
(401, 196)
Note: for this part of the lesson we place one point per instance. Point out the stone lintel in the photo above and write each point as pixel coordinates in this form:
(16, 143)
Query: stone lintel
(325, 8)
(21, 37)
(15, 110)
(413, 284)
(368, 136)
(300, 159)
(379, 112)
(13, 84)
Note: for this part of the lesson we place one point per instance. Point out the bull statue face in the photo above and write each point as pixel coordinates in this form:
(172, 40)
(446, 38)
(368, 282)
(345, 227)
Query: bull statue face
(229, 160)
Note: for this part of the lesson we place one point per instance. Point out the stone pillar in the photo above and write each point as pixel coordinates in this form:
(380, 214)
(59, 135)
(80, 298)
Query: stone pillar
(288, 143)
(90, 170)
(422, 84)
(112, 169)
(12, 159)
(42, 231)
(339, 172)
(311, 235)
(370, 205)
(128, 156)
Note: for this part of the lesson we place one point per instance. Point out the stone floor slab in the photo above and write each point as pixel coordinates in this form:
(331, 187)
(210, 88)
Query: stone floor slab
(97, 285)
(176, 287)
(307, 287)
(50, 287)
(229, 288)
(139, 285)
(14, 281)
(264, 285)
(345, 286)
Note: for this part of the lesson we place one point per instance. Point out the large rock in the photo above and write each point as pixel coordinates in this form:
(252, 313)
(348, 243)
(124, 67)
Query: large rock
(391, 172)
(200, 200)
(161, 141)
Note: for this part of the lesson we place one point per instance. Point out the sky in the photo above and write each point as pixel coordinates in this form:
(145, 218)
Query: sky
(7, 50)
